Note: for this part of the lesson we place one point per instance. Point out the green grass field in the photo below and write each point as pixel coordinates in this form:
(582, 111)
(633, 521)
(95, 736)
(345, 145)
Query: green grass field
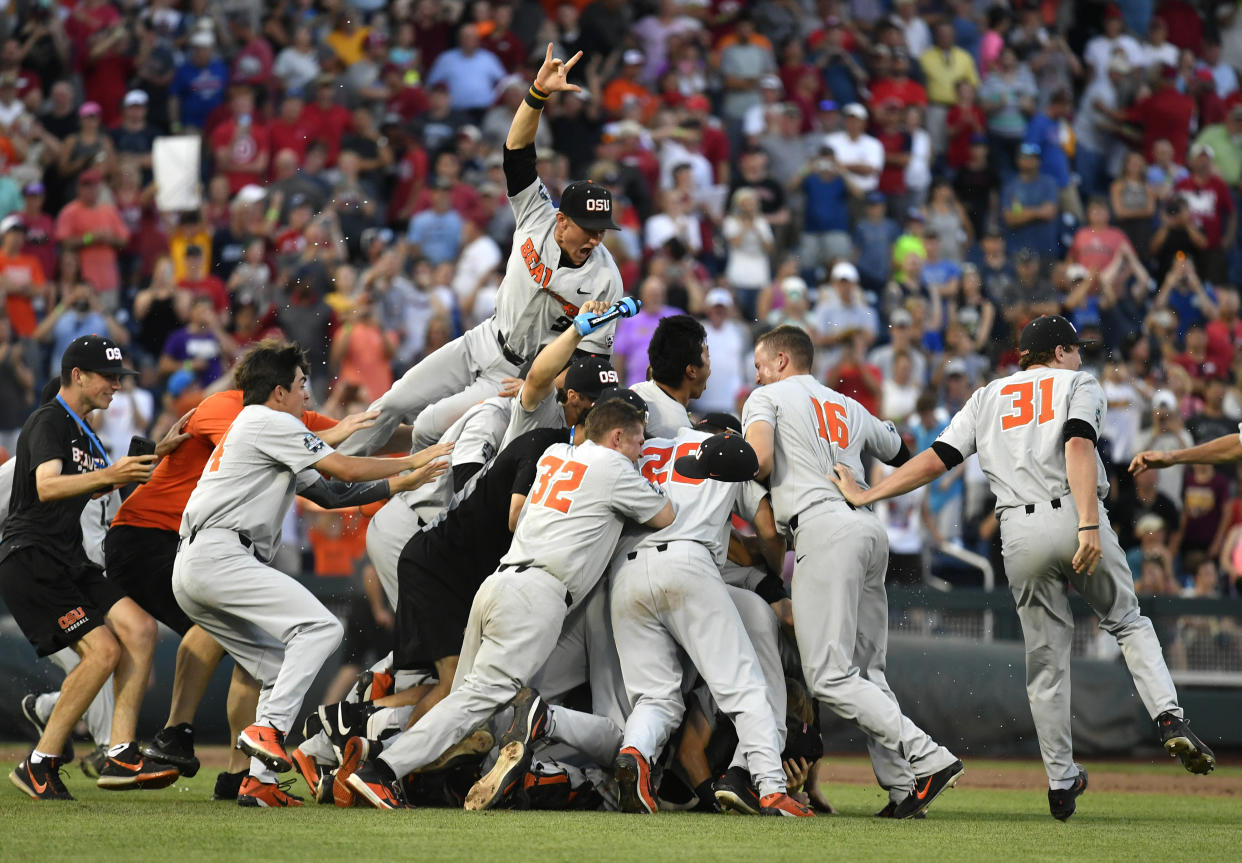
(182, 824)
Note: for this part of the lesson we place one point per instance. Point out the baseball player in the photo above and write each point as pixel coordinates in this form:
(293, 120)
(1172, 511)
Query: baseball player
(1035, 434)
(583, 494)
(799, 430)
(57, 596)
(667, 596)
(271, 626)
(556, 264)
(680, 367)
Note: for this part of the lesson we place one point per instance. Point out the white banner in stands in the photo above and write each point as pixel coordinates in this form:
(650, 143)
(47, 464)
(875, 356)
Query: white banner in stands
(176, 160)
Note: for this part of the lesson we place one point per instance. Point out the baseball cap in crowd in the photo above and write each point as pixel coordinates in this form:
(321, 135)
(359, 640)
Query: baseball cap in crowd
(719, 297)
(900, 318)
(726, 457)
(853, 109)
(792, 286)
(978, 138)
(1120, 64)
(193, 251)
(250, 194)
(633, 57)
(136, 97)
(1112, 10)
(1048, 332)
(32, 189)
(827, 105)
(179, 381)
(627, 395)
(771, 82)
(591, 376)
(90, 175)
(12, 222)
(1149, 523)
(1030, 148)
(874, 197)
(1202, 149)
(956, 367)
(1026, 255)
(1076, 272)
(1163, 400)
(203, 39)
(94, 354)
(698, 102)
(589, 206)
(90, 109)
(845, 270)
(915, 214)
(720, 421)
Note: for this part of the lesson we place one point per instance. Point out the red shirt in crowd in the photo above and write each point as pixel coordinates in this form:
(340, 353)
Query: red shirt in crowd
(1222, 336)
(904, 91)
(960, 131)
(893, 177)
(327, 125)
(1094, 248)
(295, 136)
(851, 380)
(411, 174)
(1166, 113)
(208, 286)
(247, 145)
(1210, 205)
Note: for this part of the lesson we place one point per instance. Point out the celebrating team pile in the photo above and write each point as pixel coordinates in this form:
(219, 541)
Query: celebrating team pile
(576, 616)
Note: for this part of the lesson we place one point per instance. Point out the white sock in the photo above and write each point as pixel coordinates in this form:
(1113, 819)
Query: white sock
(1062, 784)
(36, 756)
(116, 749)
(262, 772)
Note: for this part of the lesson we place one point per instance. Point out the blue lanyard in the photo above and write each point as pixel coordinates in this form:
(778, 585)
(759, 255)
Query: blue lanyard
(103, 453)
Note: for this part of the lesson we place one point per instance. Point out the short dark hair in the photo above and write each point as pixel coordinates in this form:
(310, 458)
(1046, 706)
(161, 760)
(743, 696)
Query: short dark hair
(1036, 358)
(676, 343)
(791, 341)
(611, 414)
(269, 364)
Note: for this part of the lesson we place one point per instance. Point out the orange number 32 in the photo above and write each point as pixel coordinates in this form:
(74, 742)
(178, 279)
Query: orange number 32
(560, 494)
(1022, 403)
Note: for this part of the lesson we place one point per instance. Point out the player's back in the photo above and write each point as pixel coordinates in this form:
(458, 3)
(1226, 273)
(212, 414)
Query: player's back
(815, 427)
(703, 505)
(1018, 428)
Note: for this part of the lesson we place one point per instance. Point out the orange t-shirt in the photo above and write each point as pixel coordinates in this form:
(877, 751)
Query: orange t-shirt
(160, 502)
(21, 271)
(338, 545)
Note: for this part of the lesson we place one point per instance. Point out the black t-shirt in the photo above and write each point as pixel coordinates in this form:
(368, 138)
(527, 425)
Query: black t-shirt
(53, 526)
(1203, 427)
(471, 537)
(771, 195)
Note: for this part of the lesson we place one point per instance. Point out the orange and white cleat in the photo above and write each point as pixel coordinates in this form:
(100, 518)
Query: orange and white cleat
(781, 803)
(266, 794)
(266, 744)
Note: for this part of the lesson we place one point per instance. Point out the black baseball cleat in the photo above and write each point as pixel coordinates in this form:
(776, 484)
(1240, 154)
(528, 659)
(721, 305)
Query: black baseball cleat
(633, 775)
(374, 786)
(890, 808)
(93, 762)
(228, 785)
(174, 745)
(130, 769)
(503, 780)
(735, 793)
(1062, 802)
(927, 789)
(530, 718)
(346, 719)
(41, 781)
(29, 711)
(1180, 742)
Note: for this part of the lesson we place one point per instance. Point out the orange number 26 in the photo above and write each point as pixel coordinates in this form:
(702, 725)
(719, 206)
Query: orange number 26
(1022, 403)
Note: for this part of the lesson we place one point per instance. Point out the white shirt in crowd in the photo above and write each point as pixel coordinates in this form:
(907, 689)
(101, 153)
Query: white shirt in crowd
(729, 346)
(864, 150)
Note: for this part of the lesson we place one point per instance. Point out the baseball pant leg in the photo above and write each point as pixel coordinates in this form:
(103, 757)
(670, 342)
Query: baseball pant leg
(435, 419)
(763, 630)
(826, 601)
(608, 695)
(1110, 593)
(387, 533)
(98, 716)
(597, 737)
(220, 580)
(650, 661)
(514, 622)
(1037, 548)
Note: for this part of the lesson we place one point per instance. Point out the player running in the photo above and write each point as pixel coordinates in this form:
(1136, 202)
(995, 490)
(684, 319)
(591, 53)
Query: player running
(1035, 434)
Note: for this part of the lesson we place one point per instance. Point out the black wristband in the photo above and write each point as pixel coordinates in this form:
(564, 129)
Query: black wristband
(533, 101)
(1088, 527)
(539, 94)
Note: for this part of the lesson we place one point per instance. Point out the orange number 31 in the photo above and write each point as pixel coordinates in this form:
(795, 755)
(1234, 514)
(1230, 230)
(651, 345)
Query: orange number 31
(1022, 403)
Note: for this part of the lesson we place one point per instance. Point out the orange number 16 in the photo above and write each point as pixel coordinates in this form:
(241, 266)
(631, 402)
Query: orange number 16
(832, 425)
(1022, 403)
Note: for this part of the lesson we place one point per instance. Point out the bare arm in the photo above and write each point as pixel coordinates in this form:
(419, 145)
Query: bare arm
(1080, 469)
(551, 78)
(51, 484)
(771, 542)
(516, 502)
(915, 473)
(663, 518)
(553, 358)
(1222, 450)
(364, 469)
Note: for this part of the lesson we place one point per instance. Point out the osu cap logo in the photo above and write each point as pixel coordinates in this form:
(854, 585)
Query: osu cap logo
(598, 205)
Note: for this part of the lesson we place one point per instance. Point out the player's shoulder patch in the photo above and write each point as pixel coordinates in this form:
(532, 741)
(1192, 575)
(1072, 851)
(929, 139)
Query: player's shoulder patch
(542, 191)
(312, 442)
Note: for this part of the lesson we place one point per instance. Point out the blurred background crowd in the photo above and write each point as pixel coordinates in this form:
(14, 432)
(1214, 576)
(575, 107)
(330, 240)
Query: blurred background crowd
(909, 180)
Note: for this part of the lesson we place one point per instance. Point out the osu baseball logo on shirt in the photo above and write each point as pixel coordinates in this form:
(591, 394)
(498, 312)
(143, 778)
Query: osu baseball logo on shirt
(71, 620)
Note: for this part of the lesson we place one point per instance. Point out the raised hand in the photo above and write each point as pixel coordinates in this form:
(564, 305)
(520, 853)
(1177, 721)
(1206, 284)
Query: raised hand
(418, 476)
(175, 436)
(428, 455)
(1151, 459)
(553, 74)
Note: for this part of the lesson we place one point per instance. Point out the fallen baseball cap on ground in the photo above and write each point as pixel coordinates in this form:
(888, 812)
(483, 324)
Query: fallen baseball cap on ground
(591, 376)
(589, 206)
(726, 457)
(94, 354)
(626, 395)
(1046, 333)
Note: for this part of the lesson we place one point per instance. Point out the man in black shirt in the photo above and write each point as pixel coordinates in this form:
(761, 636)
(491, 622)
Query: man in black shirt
(56, 595)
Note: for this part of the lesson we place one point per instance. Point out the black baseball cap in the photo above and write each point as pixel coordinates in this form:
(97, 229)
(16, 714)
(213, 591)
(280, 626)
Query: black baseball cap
(589, 206)
(1047, 332)
(94, 354)
(626, 395)
(726, 457)
(591, 376)
(718, 421)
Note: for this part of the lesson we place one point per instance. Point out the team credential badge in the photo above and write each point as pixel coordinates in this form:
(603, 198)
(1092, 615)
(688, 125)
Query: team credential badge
(312, 442)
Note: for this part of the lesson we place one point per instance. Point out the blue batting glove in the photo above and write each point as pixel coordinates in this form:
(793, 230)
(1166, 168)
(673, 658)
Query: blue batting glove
(584, 323)
(628, 306)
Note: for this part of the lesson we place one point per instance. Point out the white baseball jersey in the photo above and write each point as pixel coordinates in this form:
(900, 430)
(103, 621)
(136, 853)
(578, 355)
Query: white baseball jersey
(703, 505)
(548, 414)
(575, 510)
(477, 436)
(262, 461)
(815, 427)
(1016, 425)
(538, 297)
(665, 415)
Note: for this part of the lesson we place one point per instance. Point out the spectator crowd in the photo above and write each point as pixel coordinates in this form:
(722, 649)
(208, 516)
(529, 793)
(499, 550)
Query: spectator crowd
(911, 181)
